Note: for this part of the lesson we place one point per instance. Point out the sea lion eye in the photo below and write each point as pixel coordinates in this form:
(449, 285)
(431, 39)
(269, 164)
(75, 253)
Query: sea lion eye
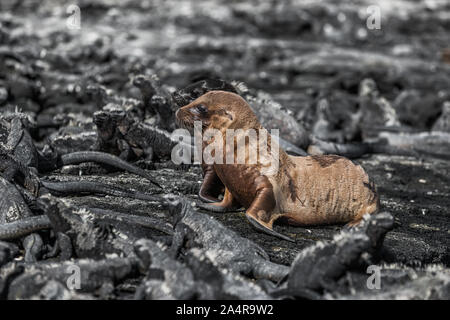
(201, 109)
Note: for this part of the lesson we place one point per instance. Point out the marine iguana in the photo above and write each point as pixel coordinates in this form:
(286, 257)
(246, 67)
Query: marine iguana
(198, 278)
(317, 268)
(98, 232)
(220, 244)
(165, 277)
(97, 276)
(12, 205)
(25, 154)
(157, 100)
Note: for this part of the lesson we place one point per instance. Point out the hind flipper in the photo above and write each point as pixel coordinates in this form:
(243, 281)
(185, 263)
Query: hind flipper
(261, 226)
(228, 204)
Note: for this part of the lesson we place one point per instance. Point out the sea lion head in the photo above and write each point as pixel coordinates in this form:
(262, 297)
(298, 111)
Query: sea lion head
(193, 91)
(218, 110)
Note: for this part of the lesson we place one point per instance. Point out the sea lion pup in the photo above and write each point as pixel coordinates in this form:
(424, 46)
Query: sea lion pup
(308, 190)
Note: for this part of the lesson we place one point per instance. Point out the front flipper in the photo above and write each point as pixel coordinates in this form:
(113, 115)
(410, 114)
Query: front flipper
(259, 214)
(228, 204)
(211, 187)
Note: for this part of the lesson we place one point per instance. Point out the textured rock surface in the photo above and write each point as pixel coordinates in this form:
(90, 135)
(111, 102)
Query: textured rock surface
(328, 72)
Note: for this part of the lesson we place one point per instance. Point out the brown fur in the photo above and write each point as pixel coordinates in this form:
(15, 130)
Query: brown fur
(446, 56)
(307, 190)
(326, 160)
